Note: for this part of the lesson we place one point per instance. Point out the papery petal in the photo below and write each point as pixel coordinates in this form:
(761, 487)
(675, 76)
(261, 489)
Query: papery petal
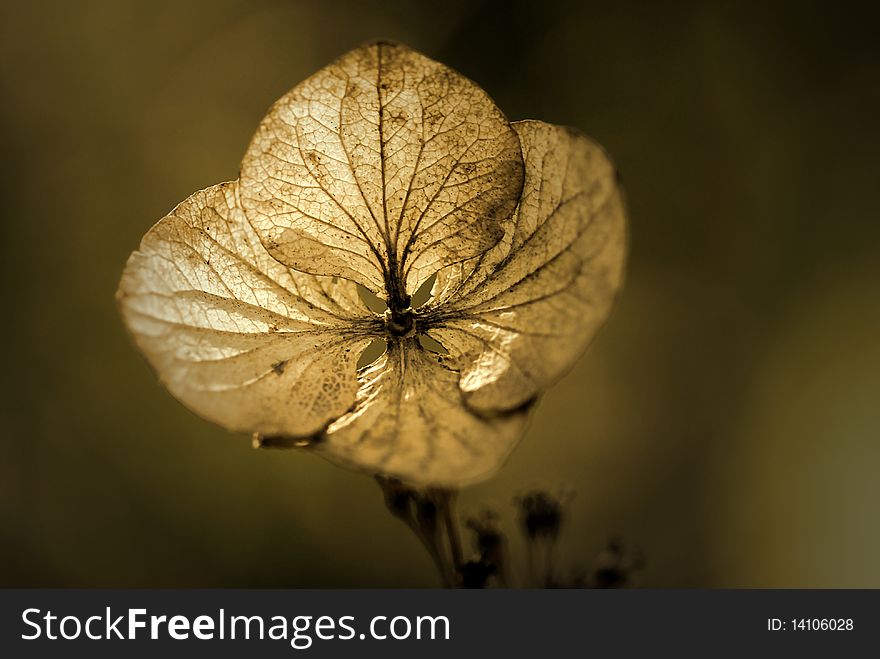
(410, 422)
(235, 336)
(383, 167)
(516, 318)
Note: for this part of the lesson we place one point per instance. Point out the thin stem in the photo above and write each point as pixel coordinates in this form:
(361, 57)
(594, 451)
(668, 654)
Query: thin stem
(446, 506)
(548, 563)
(530, 562)
(434, 551)
(452, 531)
(429, 515)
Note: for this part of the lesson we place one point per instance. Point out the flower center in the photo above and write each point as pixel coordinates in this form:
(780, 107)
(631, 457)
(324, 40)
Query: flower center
(400, 323)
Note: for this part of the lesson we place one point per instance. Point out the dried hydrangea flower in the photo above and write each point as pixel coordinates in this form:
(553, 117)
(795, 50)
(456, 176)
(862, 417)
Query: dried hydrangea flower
(383, 169)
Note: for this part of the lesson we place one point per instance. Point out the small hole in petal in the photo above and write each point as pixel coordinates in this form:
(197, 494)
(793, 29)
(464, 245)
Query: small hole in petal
(374, 302)
(371, 353)
(432, 345)
(423, 295)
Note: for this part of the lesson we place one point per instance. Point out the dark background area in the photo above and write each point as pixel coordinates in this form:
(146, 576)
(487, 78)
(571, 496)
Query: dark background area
(726, 419)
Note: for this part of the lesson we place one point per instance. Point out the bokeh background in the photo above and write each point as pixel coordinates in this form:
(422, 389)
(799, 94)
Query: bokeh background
(727, 419)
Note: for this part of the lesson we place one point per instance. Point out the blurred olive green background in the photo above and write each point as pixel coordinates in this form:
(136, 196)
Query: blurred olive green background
(727, 419)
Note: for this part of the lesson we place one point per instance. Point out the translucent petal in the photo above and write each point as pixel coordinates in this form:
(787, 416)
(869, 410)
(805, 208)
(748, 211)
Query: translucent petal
(238, 338)
(382, 167)
(410, 422)
(516, 318)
